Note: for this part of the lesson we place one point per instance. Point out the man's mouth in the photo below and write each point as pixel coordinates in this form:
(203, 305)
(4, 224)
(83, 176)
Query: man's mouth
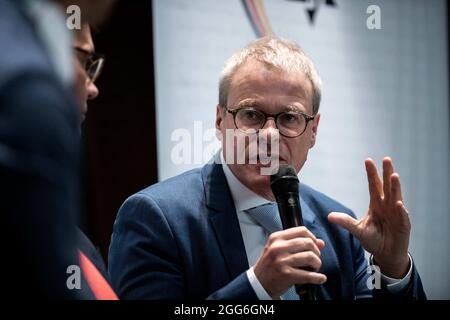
(266, 160)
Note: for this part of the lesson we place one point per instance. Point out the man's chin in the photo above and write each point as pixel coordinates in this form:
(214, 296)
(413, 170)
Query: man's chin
(261, 168)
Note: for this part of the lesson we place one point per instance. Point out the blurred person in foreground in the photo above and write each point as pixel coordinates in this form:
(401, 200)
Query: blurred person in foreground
(39, 141)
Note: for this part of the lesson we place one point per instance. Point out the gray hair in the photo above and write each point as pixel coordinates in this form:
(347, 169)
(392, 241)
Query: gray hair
(276, 52)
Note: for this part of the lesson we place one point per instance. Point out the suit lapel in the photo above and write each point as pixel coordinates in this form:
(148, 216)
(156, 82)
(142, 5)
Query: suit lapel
(223, 218)
(330, 263)
(309, 218)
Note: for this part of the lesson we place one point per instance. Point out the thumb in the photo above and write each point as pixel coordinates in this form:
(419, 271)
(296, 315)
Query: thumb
(345, 221)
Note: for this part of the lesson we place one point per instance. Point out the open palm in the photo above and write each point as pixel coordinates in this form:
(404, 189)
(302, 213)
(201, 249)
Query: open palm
(384, 231)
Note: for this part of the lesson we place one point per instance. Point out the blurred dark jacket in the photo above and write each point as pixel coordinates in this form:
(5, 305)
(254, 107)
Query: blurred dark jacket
(38, 166)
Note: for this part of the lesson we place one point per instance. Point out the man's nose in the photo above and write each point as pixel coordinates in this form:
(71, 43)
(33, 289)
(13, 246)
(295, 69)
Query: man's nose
(270, 130)
(270, 126)
(92, 91)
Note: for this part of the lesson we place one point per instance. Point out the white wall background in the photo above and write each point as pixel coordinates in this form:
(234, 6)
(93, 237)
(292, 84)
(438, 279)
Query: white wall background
(385, 93)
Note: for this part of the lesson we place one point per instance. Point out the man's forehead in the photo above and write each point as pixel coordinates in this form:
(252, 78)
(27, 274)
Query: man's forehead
(255, 81)
(270, 75)
(253, 67)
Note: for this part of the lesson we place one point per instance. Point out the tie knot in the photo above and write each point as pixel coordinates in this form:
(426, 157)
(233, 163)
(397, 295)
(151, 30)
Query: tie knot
(267, 216)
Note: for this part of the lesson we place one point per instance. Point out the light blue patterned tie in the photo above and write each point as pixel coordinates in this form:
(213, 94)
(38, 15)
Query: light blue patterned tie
(267, 216)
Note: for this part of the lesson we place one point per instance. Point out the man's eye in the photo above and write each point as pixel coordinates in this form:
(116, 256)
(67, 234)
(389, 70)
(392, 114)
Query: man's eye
(290, 118)
(251, 115)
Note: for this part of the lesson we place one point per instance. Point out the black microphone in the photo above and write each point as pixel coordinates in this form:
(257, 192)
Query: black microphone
(285, 188)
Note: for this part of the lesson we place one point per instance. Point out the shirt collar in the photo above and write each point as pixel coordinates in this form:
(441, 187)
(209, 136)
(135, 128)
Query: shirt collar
(243, 197)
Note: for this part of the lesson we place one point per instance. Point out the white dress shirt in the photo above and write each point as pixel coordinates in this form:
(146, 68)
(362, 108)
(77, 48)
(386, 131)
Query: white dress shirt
(255, 236)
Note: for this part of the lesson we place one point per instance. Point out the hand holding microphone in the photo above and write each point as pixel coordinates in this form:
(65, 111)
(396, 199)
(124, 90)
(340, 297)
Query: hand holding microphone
(292, 256)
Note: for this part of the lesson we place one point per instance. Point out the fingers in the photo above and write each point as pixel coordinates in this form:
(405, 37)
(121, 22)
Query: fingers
(297, 232)
(295, 240)
(396, 190)
(400, 208)
(403, 213)
(375, 185)
(306, 259)
(302, 244)
(299, 276)
(345, 221)
(320, 243)
(388, 169)
(390, 189)
(285, 252)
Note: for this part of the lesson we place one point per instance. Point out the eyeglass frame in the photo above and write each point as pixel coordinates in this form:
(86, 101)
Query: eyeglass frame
(92, 58)
(234, 111)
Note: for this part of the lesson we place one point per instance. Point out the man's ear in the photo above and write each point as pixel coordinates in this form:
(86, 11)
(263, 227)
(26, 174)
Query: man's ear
(219, 120)
(219, 117)
(314, 129)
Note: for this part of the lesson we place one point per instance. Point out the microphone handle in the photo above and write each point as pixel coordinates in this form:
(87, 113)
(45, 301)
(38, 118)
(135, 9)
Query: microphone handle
(306, 292)
(291, 216)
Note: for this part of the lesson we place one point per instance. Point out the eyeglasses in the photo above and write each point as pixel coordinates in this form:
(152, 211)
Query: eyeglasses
(290, 124)
(92, 63)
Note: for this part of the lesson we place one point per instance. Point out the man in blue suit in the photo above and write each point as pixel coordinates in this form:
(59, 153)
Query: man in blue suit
(215, 233)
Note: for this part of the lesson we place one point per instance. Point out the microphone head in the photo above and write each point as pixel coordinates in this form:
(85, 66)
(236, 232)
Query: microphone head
(285, 180)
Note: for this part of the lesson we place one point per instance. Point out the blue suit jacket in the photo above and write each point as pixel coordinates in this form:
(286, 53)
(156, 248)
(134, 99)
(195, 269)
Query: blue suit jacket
(181, 239)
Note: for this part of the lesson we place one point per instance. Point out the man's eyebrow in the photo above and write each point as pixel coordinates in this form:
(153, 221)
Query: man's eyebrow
(256, 104)
(89, 53)
(291, 107)
(247, 104)
(296, 108)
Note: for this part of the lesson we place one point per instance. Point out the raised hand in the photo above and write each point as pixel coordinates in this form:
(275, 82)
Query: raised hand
(384, 231)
